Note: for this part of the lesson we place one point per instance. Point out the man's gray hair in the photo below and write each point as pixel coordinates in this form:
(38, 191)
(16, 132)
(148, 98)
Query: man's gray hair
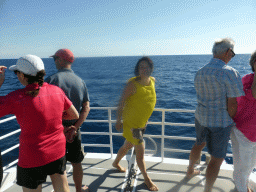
(222, 45)
(252, 60)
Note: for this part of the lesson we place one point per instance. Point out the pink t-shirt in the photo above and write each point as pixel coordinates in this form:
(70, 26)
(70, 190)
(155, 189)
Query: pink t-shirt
(246, 111)
(40, 118)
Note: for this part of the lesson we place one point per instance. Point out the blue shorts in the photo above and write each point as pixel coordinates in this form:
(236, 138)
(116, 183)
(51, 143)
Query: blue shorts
(216, 139)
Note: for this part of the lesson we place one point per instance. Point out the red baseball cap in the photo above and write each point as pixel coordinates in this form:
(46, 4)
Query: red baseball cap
(65, 54)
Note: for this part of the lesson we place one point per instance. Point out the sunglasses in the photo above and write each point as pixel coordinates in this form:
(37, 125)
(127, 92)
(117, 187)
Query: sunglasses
(15, 72)
(233, 53)
(54, 58)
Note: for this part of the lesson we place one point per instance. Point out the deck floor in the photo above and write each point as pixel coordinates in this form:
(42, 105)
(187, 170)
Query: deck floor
(100, 176)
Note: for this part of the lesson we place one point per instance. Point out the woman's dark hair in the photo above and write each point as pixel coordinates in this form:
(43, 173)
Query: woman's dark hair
(150, 64)
(39, 78)
(252, 60)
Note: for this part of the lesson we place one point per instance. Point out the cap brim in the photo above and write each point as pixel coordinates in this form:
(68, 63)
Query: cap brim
(13, 68)
(52, 56)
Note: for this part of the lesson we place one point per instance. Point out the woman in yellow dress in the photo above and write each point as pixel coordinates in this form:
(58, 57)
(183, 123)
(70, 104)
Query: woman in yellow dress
(135, 107)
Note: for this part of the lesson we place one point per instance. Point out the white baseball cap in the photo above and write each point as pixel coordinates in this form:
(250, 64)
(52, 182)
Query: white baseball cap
(29, 65)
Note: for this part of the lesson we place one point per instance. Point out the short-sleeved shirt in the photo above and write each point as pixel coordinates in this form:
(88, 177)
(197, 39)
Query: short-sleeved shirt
(214, 83)
(73, 86)
(42, 140)
(245, 118)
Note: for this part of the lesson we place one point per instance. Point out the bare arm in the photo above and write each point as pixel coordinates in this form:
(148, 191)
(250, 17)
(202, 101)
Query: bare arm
(232, 106)
(2, 74)
(70, 114)
(129, 90)
(83, 114)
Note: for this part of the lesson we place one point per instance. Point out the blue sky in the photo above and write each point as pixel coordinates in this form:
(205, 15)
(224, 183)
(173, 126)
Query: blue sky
(92, 28)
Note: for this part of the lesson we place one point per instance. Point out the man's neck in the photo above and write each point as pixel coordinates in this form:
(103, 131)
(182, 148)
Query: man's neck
(64, 67)
(222, 58)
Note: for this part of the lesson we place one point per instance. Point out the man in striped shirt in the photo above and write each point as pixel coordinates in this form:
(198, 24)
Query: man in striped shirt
(217, 86)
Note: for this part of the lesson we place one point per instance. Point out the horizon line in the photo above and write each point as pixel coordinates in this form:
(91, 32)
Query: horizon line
(144, 55)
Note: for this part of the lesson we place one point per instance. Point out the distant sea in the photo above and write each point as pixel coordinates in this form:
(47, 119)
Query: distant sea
(105, 78)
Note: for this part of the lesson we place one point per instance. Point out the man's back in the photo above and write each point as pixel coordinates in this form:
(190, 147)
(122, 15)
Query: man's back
(214, 83)
(73, 86)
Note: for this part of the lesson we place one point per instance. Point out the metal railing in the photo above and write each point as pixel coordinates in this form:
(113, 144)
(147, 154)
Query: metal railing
(6, 136)
(163, 123)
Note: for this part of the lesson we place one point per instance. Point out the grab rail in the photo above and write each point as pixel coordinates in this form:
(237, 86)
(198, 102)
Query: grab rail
(163, 123)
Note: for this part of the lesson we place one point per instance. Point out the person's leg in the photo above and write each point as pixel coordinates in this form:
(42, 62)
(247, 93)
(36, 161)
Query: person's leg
(139, 150)
(78, 177)
(195, 155)
(248, 161)
(121, 153)
(38, 189)
(60, 182)
(253, 163)
(217, 143)
(239, 174)
(244, 159)
(196, 150)
(75, 155)
(212, 172)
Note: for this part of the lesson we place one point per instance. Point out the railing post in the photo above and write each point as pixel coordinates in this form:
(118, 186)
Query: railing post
(110, 132)
(162, 137)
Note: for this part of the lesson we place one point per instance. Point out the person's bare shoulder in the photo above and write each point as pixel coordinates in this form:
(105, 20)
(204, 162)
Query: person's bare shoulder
(130, 87)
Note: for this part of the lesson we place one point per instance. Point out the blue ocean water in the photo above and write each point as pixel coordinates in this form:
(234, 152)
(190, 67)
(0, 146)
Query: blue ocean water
(105, 78)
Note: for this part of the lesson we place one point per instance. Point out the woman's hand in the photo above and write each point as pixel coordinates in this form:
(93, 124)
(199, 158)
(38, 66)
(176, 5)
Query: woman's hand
(2, 74)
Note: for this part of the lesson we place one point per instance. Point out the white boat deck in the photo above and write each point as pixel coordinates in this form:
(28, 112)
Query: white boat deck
(169, 176)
